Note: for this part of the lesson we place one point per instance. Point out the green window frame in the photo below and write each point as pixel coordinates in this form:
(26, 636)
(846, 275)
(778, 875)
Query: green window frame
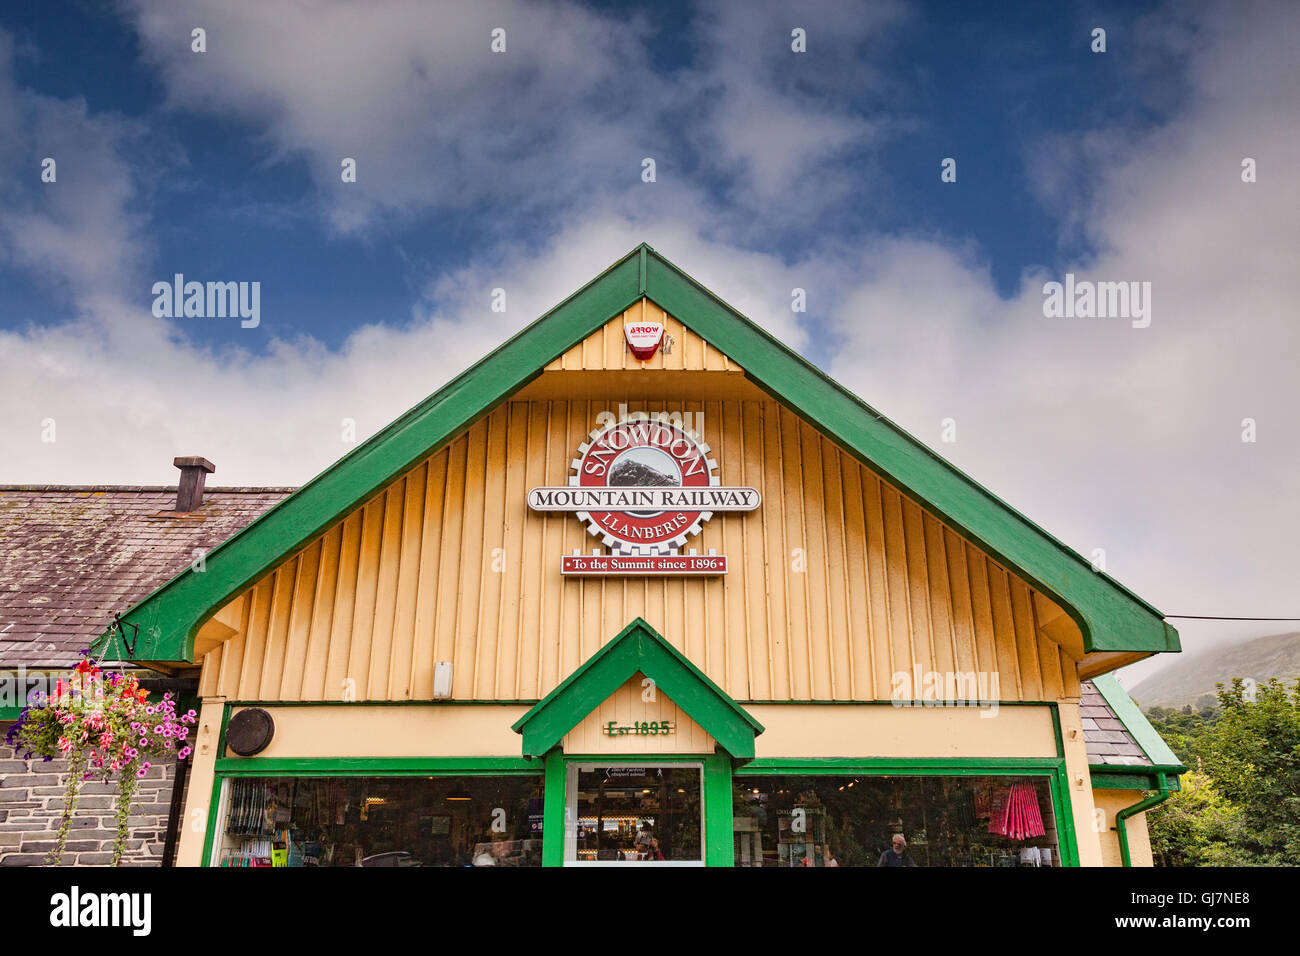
(1051, 768)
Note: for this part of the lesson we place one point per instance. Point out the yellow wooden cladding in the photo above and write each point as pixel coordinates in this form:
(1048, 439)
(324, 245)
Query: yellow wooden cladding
(625, 707)
(838, 582)
(606, 348)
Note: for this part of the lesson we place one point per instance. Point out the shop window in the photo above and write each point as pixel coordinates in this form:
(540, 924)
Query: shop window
(834, 820)
(381, 821)
(626, 814)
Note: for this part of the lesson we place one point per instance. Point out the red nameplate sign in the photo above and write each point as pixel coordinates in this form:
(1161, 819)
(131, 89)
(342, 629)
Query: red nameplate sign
(604, 565)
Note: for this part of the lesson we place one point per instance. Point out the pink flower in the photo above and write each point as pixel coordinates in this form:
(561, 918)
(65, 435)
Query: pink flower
(144, 741)
(146, 765)
(142, 771)
(183, 753)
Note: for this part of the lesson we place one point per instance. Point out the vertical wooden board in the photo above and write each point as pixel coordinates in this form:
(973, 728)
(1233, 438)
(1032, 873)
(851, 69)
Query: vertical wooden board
(680, 333)
(535, 556)
(420, 680)
(918, 586)
(778, 557)
(858, 623)
(294, 659)
(342, 623)
(553, 535)
(450, 566)
(363, 609)
(692, 350)
(316, 653)
(267, 683)
(514, 511)
(210, 670)
(492, 558)
(796, 536)
(838, 616)
(963, 623)
(878, 603)
(940, 597)
(227, 667)
(381, 635)
(752, 588)
(472, 569)
(578, 420)
(1004, 635)
(1050, 659)
(901, 644)
(734, 630)
(986, 647)
(1022, 617)
(816, 626)
(408, 579)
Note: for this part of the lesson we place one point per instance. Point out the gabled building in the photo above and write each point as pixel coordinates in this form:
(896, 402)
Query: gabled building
(643, 587)
(71, 557)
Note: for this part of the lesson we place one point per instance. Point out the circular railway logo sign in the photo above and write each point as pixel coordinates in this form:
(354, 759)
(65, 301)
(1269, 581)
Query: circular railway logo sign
(640, 453)
(643, 485)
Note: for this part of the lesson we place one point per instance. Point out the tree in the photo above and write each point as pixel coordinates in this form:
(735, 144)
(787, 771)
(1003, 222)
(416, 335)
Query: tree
(1197, 826)
(1253, 760)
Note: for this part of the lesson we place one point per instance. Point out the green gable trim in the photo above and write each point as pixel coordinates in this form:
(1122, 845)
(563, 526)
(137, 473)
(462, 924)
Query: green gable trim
(1139, 728)
(638, 648)
(1110, 617)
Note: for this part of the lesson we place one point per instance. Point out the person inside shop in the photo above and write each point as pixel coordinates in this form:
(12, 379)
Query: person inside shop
(897, 854)
(647, 844)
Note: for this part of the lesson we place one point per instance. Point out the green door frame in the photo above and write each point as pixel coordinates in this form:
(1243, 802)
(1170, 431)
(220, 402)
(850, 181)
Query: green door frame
(715, 799)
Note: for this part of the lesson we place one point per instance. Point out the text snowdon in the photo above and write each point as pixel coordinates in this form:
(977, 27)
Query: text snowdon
(570, 498)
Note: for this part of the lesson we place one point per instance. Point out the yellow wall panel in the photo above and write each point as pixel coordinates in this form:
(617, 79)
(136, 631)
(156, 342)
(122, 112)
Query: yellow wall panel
(838, 583)
(625, 707)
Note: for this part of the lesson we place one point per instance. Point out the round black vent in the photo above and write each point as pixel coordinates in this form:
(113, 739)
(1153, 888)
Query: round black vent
(249, 731)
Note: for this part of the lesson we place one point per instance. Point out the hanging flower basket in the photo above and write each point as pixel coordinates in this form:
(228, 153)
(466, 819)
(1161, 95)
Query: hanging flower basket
(103, 725)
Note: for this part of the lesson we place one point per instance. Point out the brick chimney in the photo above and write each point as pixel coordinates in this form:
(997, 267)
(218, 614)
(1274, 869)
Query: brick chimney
(194, 472)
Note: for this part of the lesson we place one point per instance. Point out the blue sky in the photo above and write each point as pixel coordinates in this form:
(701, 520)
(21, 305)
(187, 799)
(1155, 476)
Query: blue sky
(775, 170)
(981, 83)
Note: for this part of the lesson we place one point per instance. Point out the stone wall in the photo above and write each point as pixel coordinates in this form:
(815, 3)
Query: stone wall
(31, 805)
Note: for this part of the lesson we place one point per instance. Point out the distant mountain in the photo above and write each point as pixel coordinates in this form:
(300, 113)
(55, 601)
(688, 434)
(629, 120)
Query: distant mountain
(628, 472)
(1187, 681)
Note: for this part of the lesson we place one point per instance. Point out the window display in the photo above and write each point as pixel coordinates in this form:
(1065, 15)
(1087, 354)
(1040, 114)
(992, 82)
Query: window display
(637, 814)
(834, 820)
(382, 821)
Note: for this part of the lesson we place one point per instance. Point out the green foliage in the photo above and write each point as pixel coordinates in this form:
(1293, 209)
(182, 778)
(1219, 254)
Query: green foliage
(1196, 827)
(1186, 733)
(1243, 807)
(1254, 761)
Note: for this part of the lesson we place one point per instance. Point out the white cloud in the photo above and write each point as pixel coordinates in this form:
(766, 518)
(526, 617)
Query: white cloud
(1121, 438)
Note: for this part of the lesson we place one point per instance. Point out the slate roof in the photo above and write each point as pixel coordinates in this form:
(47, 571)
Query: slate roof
(1108, 740)
(72, 556)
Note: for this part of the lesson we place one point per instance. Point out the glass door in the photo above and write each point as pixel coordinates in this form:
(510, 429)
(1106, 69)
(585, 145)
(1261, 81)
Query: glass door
(635, 815)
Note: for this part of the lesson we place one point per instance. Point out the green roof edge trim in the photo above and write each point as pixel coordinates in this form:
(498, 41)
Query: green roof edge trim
(1136, 723)
(1110, 617)
(1106, 777)
(638, 648)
